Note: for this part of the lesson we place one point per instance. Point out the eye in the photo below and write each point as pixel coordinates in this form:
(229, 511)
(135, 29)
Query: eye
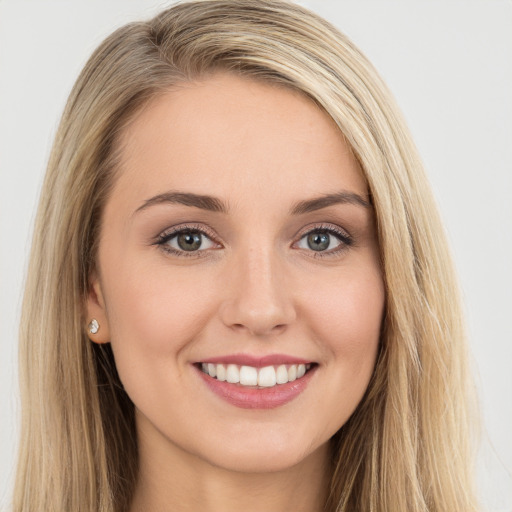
(186, 240)
(325, 239)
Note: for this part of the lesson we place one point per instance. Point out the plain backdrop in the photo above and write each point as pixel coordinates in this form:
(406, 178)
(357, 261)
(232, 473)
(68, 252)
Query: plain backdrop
(449, 64)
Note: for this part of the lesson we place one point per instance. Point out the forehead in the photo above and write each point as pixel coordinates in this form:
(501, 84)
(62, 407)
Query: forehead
(231, 136)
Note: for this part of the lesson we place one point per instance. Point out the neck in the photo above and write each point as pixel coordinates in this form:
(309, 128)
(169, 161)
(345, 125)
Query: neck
(175, 480)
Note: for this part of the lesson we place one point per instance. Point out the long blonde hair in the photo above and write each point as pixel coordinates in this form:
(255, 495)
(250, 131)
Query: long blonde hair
(408, 446)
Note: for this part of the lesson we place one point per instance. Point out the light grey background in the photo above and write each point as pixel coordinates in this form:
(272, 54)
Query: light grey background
(448, 62)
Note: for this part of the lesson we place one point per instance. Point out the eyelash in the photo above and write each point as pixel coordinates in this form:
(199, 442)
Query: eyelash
(166, 236)
(344, 238)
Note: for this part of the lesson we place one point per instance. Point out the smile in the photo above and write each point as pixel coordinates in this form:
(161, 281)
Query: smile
(251, 382)
(250, 376)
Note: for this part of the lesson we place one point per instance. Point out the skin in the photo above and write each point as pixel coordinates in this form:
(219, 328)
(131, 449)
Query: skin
(255, 286)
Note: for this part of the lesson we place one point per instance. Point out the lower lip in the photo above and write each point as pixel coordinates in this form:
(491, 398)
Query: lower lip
(258, 398)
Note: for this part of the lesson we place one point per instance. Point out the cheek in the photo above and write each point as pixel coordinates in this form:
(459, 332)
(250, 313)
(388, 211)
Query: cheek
(349, 310)
(153, 316)
(347, 321)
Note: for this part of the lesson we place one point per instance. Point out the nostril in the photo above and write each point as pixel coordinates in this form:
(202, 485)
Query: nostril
(258, 329)
(257, 304)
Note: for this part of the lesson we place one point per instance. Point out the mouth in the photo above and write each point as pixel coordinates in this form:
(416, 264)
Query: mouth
(256, 377)
(256, 383)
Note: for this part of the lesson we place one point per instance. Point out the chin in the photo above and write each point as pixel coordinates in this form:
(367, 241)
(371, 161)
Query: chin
(270, 457)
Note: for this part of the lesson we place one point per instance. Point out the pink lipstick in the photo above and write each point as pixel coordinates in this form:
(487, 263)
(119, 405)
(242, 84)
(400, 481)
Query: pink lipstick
(254, 382)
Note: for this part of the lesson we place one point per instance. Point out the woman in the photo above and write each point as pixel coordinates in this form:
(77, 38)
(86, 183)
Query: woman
(239, 294)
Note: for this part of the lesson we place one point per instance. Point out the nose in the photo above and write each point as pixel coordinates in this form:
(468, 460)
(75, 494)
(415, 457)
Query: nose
(258, 296)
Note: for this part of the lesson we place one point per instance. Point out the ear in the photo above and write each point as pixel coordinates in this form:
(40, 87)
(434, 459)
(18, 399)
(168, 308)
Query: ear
(96, 311)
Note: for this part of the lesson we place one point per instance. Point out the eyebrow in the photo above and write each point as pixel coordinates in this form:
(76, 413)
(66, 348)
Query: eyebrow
(343, 197)
(203, 202)
(214, 204)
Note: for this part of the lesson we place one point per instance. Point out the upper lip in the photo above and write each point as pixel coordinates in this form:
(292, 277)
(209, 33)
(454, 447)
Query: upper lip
(256, 361)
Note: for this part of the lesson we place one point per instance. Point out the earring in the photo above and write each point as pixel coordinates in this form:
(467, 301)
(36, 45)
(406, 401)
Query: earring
(94, 326)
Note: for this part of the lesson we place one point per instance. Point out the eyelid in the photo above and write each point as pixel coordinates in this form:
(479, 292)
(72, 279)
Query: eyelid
(169, 233)
(345, 238)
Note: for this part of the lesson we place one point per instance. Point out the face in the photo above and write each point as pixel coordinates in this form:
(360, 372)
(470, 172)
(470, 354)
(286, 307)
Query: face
(238, 244)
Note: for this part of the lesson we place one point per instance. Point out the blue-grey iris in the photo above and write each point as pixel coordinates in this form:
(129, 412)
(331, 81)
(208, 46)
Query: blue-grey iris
(318, 241)
(189, 241)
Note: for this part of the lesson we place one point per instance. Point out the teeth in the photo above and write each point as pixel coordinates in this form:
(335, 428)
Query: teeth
(265, 377)
(212, 369)
(282, 374)
(248, 376)
(221, 372)
(232, 374)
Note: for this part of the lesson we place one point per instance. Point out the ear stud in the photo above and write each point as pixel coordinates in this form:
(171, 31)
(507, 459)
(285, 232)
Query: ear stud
(94, 326)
